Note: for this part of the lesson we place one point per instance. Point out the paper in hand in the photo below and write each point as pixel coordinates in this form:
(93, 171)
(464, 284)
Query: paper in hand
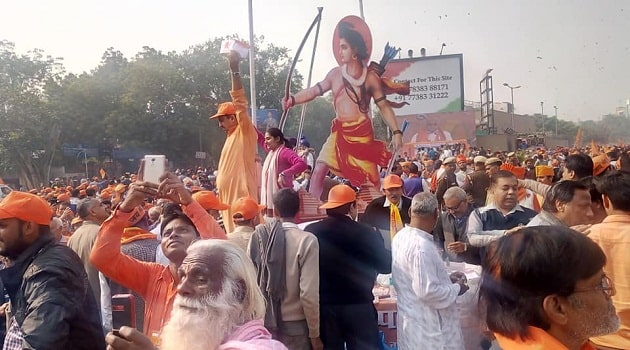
(238, 46)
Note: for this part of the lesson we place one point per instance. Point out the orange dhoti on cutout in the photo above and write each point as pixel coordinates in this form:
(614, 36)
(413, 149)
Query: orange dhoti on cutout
(352, 152)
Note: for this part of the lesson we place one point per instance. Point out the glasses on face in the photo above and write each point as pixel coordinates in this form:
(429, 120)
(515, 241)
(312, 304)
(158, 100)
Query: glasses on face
(607, 286)
(452, 209)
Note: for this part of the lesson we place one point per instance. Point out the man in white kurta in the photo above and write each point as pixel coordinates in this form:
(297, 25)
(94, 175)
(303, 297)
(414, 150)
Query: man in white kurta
(427, 315)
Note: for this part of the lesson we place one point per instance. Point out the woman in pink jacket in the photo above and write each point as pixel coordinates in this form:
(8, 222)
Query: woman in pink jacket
(280, 166)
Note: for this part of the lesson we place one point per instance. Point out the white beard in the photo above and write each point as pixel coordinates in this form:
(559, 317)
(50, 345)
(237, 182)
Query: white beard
(202, 324)
(596, 323)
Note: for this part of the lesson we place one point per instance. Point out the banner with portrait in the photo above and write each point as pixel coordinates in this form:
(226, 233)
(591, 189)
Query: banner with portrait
(437, 129)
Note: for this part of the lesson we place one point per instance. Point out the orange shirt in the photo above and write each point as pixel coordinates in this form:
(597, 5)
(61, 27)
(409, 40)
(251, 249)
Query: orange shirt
(613, 236)
(152, 281)
(237, 173)
(539, 340)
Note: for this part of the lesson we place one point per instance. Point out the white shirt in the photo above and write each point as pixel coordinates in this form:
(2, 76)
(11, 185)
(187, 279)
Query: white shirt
(427, 314)
(460, 176)
(160, 258)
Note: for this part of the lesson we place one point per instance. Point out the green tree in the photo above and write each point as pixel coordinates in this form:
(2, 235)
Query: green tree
(29, 128)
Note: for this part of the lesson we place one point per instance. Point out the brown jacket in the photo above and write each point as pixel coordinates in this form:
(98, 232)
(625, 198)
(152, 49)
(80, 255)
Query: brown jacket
(476, 186)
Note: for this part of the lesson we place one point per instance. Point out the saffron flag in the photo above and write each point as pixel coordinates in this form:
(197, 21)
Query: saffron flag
(578, 138)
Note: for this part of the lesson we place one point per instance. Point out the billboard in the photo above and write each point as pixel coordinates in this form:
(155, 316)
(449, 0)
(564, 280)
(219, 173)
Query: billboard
(433, 129)
(267, 118)
(436, 83)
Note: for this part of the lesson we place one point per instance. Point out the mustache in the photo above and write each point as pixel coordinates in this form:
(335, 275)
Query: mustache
(226, 300)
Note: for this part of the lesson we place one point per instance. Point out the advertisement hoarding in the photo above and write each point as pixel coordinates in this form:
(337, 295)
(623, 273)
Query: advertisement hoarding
(436, 129)
(436, 83)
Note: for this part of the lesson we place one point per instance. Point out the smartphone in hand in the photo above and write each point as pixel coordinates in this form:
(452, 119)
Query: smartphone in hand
(123, 311)
(154, 167)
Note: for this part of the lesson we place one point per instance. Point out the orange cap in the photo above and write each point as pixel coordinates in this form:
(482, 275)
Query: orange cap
(209, 200)
(340, 195)
(225, 108)
(106, 195)
(544, 170)
(246, 207)
(26, 207)
(600, 164)
(63, 198)
(392, 181)
(461, 158)
(518, 171)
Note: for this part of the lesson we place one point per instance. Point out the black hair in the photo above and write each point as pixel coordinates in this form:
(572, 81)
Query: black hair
(580, 164)
(616, 186)
(596, 196)
(286, 202)
(522, 269)
(624, 162)
(354, 38)
(437, 165)
(173, 211)
(563, 192)
(90, 192)
(413, 168)
(501, 174)
(275, 132)
(613, 154)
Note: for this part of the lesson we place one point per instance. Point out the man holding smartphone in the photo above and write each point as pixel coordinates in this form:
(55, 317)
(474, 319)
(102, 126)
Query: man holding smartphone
(237, 174)
(155, 283)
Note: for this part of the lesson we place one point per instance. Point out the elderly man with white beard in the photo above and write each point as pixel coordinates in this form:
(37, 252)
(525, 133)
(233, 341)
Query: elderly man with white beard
(218, 306)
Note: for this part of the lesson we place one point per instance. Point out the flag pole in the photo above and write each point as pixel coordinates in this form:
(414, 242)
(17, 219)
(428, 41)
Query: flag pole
(252, 64)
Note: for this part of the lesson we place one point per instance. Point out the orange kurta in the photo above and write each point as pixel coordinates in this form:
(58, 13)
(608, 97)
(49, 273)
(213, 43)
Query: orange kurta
(613, 236)
(237, 174)
(540, 340)
(152, 281)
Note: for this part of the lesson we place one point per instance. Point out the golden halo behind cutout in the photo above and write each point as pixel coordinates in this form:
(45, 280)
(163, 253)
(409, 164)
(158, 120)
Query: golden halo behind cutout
(360, 26)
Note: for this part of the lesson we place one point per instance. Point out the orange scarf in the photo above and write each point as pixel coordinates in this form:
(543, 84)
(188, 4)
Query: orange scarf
(131, 234)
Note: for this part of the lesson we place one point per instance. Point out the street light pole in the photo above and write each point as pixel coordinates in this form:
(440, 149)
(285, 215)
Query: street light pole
(512, 93)
(361, 9)
(556, 118)
(542, 115)
(84, 151)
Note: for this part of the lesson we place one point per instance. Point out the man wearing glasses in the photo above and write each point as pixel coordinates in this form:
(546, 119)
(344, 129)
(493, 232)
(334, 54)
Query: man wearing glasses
(450, 230)
(613, 236)
(552, 295)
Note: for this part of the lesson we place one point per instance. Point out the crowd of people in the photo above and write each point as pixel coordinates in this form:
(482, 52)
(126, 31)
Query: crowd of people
(232, 267)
